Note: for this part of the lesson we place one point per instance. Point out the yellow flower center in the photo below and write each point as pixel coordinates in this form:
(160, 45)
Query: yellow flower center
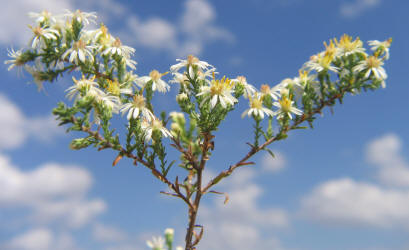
(241, 79)
(113, 87)
(191, 59)
(117, 43)
(330, 48)
(219, 86)
(373, 62)
(285, 104)
(139, 101)
(303, 76)
(38, 31)
(265, 89)
(155, 75)
(79, 45)
(347, 44)
(256, 102)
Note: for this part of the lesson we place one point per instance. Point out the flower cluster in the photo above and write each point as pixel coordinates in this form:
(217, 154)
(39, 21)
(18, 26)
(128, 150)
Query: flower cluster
(109, 87)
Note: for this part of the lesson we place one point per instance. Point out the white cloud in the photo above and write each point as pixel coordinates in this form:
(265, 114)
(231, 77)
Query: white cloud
(385, 153)
(17, 128)
(273, 165)
(241, 223)
(40, 239)
(15, 12)
(348, 202)
(52, 192)
(196, 27)
(354, 9)
(105, 233)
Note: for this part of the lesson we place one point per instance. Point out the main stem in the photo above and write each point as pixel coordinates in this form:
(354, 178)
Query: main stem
(190, 244)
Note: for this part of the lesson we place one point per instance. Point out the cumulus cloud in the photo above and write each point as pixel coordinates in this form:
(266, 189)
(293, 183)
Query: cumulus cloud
(242, 223)
(385, 153)
(106, 233)
(356, 8)
(346, 201)
(273, 165)
(40, 238)
(51, 192)
(17, 127)
(16, 12)
(196, 27)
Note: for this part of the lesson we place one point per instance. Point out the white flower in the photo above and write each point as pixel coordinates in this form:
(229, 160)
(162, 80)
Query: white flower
(43, 16)
(249, 89)
(346, 46)
(256, 107)
(218, 91)
(285, 107)
(372, 64)
(111, 102)
(42, 34)
(154, 125)
(37, 72)
(117, 89)
(203, 75)
(116, 48)
(16, 60)
(157, 82)
(80, 50)
(157, 243)
(321, 62)
(382, 46)
(82, 17)
(84, 87)
(136, 107)
(190, 62)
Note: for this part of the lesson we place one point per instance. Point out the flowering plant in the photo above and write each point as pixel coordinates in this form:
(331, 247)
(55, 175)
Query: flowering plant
(108, 88)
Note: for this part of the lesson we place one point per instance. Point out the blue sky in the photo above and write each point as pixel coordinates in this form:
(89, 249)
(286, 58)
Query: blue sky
(342, 185)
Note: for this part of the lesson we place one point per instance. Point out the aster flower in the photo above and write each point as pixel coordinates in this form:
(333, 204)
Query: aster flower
(149, 126)
(372, 64)
(321, 62)
(16, 60)
(256, 107)
(43, 16)
(79, 50)
(157, 243)
(136, 107)
(84, 87)
(203, 75)
(348, 47)
(81, 17)
(381, 46)
(117, 89)
(218, 91)
(42, 34)
(249, 89)
(190, 62)
(157, 82)
(111, 102)
(182, 80)
(285, 107)
(116, 48)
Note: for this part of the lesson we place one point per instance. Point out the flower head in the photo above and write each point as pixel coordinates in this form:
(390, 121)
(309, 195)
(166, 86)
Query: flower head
(372, 64)
(42, 17)
(79, 50)
(82, 17)
(285, 107)
(190, 62)
(218, 91)
(383, 47)
(347, 46)
(136, 107)
(16, 59)
(84, 87)
(117, 48)
(42, 34)
(157, 82)
(256, 107)
(150, 126)
(248, 88)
